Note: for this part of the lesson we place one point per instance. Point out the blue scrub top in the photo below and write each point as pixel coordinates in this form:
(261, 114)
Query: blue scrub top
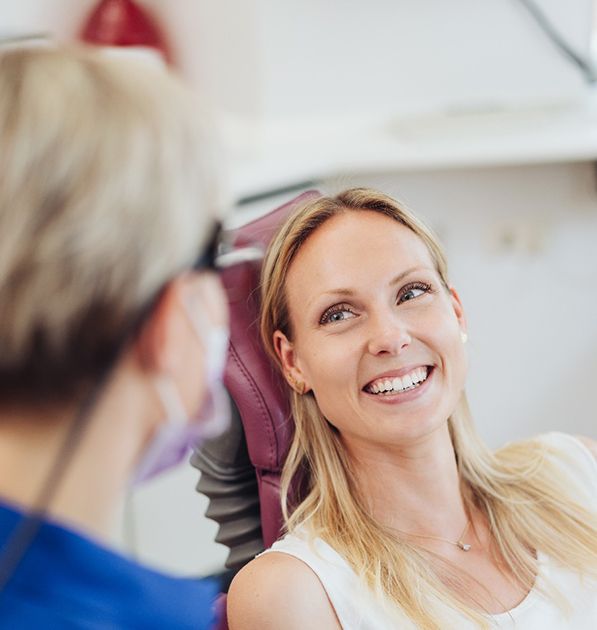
(67, 581)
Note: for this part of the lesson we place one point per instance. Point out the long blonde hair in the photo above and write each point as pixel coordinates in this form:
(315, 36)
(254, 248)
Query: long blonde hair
(520, 489)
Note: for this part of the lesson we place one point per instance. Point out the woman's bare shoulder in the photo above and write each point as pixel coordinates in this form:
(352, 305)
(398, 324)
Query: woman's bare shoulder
(589, 443)
(277, 590)
(556, 438)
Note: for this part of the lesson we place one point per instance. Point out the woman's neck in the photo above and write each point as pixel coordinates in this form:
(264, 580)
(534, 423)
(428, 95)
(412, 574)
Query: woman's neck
(414, 487)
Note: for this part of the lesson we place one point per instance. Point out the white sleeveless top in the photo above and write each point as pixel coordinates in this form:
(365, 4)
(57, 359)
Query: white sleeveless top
(356, 608)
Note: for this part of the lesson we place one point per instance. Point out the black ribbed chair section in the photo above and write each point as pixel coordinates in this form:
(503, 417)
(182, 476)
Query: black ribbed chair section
(228, 479)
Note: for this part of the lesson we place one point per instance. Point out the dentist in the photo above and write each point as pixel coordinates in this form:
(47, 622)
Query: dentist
(112, 330)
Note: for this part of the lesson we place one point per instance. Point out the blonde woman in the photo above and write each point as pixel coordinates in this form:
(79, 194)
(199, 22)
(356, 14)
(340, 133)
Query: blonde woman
(397, 514)
(112, 331)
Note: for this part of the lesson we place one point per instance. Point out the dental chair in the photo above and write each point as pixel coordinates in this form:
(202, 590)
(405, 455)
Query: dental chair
(240, 471)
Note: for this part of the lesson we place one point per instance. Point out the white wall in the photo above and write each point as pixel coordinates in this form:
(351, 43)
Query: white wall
(62, 18)
(164, 525)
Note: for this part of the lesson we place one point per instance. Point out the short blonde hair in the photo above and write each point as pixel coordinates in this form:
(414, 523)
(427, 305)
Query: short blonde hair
(106, 192)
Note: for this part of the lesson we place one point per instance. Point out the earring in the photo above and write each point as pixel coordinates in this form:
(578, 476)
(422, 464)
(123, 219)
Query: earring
(298, 386)
(463, 336)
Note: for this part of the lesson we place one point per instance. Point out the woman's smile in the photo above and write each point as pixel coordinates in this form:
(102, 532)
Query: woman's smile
(399, 386)
(397, 381)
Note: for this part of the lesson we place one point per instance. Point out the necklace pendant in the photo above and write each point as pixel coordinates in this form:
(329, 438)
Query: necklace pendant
(463, 546)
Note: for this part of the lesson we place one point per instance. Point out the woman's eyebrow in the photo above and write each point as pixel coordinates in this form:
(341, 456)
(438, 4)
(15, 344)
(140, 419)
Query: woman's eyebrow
(406, 273)
(330, 293)
(351, 292)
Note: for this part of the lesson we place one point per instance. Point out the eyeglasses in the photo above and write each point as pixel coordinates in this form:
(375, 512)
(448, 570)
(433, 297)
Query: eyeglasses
(220, 253)
(207, 259)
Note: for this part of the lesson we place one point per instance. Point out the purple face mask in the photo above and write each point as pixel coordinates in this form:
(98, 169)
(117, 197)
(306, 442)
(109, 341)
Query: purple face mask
(177, 434)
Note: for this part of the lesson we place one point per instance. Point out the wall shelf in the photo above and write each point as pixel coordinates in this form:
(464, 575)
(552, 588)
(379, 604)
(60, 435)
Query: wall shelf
(279, 156)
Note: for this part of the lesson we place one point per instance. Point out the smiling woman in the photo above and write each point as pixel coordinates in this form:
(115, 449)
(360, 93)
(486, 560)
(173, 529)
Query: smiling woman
(397, 514)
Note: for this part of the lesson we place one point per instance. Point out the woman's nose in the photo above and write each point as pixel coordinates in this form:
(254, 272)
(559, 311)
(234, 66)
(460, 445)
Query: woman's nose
(387, 335)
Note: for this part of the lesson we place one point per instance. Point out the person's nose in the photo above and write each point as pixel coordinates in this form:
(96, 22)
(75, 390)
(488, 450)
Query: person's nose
(388, 334)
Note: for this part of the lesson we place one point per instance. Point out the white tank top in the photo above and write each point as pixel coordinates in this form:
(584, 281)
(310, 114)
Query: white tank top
(356, 608)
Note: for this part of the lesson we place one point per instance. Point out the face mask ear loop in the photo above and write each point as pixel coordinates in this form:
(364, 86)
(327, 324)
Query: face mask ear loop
(215, 345)
(215, 339)
(194, 313)
(175, 419)
(171, 400)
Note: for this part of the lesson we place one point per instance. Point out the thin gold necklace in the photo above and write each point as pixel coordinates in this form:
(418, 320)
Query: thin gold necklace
(459, 543)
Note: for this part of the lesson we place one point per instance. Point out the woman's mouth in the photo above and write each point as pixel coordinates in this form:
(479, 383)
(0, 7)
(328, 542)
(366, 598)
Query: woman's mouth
(390, 386)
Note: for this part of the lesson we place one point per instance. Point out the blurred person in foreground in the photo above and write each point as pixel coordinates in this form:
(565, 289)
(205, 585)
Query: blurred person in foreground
(397, 514)
(113, 330)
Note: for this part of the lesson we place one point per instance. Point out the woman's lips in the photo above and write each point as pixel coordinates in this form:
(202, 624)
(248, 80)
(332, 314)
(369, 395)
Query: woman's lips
(402, 395)
(399, 380)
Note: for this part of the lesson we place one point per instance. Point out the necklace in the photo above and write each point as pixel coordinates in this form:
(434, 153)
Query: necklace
(459, 543)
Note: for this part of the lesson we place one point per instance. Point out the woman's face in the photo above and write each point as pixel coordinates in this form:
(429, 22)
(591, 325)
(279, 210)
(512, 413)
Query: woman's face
(376, 335)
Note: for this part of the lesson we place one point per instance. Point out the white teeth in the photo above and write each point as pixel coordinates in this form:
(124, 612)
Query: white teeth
(397, 384)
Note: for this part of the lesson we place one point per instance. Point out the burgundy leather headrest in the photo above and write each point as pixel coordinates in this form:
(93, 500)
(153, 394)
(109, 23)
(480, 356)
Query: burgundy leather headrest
(251, 379)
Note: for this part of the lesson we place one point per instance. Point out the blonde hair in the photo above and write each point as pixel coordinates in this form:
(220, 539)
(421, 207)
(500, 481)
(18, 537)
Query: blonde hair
(106, 192)
(520, 489)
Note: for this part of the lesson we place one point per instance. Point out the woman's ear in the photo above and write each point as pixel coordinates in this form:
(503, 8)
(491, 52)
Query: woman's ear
(458, 310)
(290, 366)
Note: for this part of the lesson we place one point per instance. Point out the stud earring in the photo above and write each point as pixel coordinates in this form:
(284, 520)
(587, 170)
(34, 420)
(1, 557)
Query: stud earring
(463, 336)
(298, 386)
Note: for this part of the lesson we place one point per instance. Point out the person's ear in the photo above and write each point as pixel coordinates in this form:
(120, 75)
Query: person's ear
(291, 369)
(458, 311)
(163, 338)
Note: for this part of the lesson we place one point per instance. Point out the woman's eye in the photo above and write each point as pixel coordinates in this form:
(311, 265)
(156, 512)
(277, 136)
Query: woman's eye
(413, 291)
(336, 315)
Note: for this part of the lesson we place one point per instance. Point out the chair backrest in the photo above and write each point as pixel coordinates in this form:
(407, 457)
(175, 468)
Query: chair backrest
(241, 470)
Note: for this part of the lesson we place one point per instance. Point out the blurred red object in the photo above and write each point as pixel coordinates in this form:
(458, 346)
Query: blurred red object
(124, 23)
